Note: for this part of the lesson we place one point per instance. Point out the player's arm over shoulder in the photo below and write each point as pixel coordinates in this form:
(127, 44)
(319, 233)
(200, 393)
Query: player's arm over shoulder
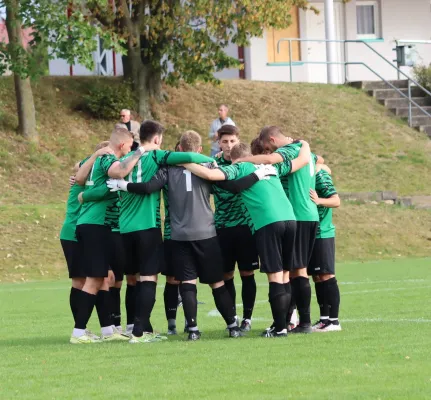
(205, 173)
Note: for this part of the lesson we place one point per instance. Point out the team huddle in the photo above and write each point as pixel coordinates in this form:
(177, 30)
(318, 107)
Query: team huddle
(273, 212)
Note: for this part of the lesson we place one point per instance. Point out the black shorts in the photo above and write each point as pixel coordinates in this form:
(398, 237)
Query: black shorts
(94, 243)
(238, 246)
(305, 237)
(323, 257)
(73, 258)
(144, 252)
(275, 245)
(198, 259)
(169, 258)
(117, 260)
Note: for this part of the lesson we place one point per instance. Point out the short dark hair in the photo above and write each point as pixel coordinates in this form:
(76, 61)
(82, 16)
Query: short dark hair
(228, 130)
(240, 150)
(257, 147)
(269, 131)
(149, 129)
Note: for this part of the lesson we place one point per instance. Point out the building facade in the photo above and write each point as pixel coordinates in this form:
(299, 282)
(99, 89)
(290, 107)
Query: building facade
(380, 23)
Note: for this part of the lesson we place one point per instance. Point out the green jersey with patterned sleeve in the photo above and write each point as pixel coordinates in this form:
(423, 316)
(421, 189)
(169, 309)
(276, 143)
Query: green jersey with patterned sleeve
(230, 209)
(99, 212)
(265, 200)
(297, 185)
(141, 212)
(325, 189)
(73, 207)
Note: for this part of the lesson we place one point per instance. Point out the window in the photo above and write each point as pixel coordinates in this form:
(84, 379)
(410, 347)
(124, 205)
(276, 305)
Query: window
(367, 19)
(273, 36)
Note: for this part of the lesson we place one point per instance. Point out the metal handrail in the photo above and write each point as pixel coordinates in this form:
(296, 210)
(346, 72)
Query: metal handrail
(346, 63)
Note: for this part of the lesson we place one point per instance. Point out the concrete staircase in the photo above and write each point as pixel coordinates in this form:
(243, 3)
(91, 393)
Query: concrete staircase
(399, 105)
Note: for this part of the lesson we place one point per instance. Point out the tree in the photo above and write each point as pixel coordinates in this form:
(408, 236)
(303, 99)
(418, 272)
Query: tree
(16, 58)
(56, 33)
(177, 39)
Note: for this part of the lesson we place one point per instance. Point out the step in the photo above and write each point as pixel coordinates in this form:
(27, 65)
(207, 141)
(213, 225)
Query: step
(426, 129)
(371, 85)
(396, 103)
(381, 94)
(404, 111)
(421, 121)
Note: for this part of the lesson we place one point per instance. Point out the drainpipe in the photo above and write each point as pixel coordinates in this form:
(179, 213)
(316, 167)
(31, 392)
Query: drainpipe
(331, 54)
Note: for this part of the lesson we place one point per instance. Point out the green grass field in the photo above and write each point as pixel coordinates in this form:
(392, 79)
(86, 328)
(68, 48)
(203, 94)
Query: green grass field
(383, 351)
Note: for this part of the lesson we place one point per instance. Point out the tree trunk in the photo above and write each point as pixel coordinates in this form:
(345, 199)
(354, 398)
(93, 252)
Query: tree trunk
(23, 92)
(145, 79)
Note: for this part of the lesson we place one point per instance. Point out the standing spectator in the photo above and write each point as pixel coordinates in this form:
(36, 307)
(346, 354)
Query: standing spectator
(131, 126)
(223, 119)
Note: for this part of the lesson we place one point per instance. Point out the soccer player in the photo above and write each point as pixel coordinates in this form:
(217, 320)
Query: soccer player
(140, 227)
(193, 236)
(273, 218)
(322, 263)
(68, 239)
(92, 231)
(233, 225)
(297, 187)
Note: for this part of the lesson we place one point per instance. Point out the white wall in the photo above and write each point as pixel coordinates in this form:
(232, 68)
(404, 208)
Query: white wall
(400, 19)
(232, 51)
(257, 67)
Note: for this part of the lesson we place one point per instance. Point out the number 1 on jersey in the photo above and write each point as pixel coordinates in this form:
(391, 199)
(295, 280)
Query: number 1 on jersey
(188, 175)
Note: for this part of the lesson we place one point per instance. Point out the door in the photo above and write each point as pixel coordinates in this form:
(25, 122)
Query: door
(316, 51)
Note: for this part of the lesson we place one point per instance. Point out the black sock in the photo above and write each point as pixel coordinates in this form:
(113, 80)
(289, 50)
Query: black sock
(302, 290)
(333, 296)
(288, 289)
(145, 300)
(73, 301)
(130, 303)
(224, 305)
(190, 304)
(292, 305)
(115, 305)
(321, 298)
(230, 286)
(170, 296)
(248, 295)
(279, 301)
(85, 303)
(103, 307)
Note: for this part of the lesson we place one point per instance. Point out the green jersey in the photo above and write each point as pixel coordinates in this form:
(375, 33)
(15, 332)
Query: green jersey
(325, 189)
(297, 185)
(73, 208)
(103, 211)
(72, 213)
(141, 212)
(265, 200)
(230, 209)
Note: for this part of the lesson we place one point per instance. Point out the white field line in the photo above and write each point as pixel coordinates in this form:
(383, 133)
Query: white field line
(372, 282)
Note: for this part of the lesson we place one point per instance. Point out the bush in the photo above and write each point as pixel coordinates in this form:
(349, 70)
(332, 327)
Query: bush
(106, 101)
(423, 75)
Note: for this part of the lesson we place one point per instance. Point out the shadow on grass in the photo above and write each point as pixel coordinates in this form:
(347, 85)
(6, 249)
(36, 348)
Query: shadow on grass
(207, 335)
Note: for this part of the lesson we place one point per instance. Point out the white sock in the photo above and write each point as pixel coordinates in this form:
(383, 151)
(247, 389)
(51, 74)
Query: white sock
(194, 329)
(107, 331)
(78, 332)
(283, 331)
(323, 318)
(129, 327)
(248, 320)
(232, 325)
